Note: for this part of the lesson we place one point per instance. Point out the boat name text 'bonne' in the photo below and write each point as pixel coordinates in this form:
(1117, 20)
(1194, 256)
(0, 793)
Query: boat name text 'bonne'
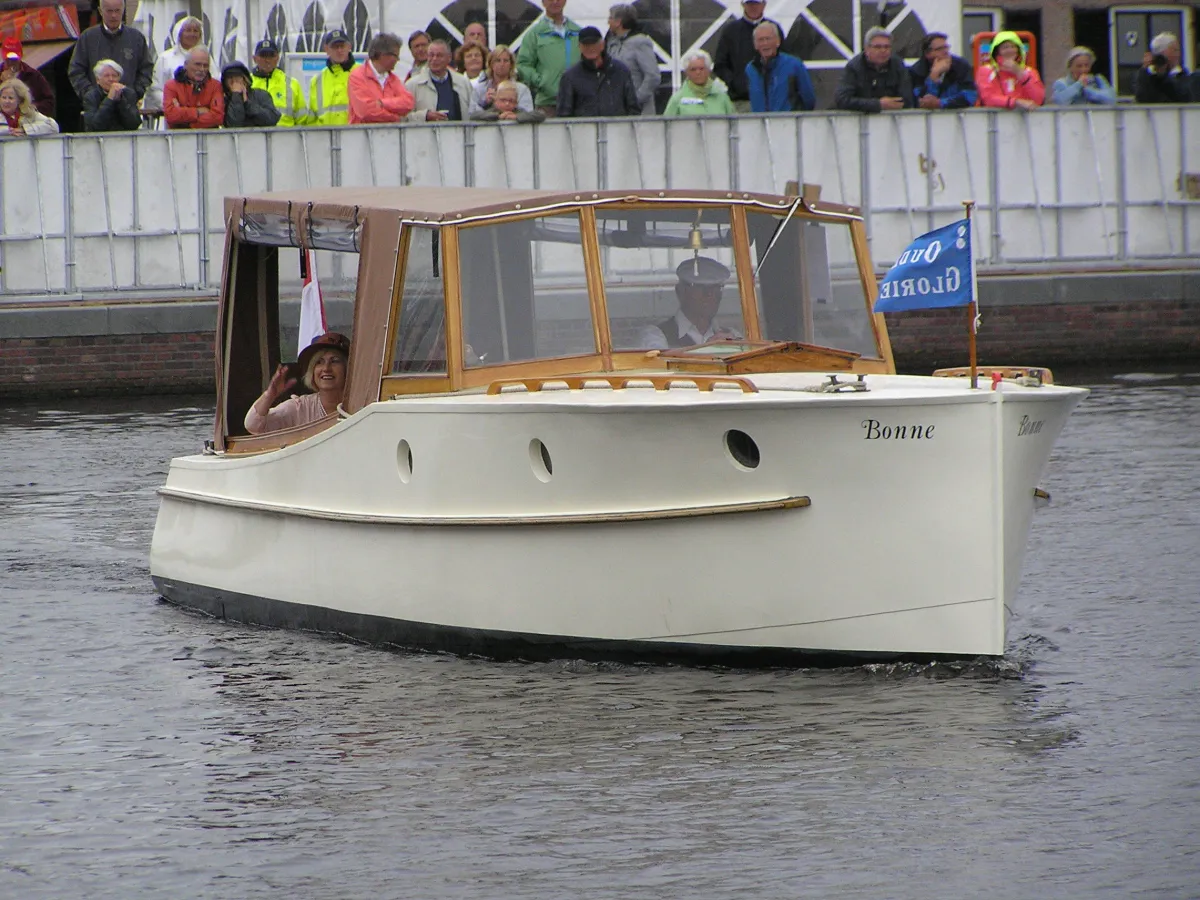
(1029, 426)
(877, 431)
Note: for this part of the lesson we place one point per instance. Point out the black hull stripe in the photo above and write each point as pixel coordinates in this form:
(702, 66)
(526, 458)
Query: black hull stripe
(503, 645)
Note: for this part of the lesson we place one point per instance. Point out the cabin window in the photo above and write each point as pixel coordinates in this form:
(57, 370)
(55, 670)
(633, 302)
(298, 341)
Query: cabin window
(421, 336)
(524, 291)
(643, 253)
(808, 283)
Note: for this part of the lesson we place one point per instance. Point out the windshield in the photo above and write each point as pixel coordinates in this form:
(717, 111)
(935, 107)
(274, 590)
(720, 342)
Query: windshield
(809, 288)
(524, 291)
(670, 276)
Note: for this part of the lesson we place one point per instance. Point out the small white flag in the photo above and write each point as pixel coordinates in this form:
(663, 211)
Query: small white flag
(312, 305)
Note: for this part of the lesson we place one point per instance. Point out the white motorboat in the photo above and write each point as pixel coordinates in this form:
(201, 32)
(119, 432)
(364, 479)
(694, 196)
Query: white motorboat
(532, 459)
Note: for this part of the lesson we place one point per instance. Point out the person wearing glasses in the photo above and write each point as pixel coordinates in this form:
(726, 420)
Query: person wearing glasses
(875, 80)
(940, 79)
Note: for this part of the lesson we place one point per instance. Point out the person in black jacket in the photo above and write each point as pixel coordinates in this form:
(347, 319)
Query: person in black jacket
(875, 81)
(1162, 77)
(597, 85)
(735, 50)
(246, 106)
(108, 104)
(111, 39)
(941, 80)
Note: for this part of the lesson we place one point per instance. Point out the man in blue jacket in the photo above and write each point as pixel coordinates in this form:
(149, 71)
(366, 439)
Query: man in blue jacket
(940, 80)
(778, 82)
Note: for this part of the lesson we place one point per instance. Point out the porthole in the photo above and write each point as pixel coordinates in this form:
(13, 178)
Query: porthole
(404, 461)
(742, 449)
(539, 460)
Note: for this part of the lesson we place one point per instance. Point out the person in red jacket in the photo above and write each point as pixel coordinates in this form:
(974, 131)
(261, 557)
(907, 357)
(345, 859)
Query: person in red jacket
(376, 93)
(193, 98)
(15, 67)
(1007, 82)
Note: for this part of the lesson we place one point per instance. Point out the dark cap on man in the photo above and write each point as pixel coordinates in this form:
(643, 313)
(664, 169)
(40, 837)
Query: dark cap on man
(336, 36)
(266, 48)
(590, 35)
(702, 271)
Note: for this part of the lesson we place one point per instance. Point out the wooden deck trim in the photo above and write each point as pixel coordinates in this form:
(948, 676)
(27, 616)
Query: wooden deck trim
(601, 518)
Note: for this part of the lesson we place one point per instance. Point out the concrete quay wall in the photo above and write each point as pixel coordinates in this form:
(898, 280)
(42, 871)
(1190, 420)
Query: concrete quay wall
(1091, 320)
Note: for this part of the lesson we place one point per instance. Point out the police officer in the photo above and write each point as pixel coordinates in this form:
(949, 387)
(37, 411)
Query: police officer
(328, 92)
(285, 92)
(698, 288)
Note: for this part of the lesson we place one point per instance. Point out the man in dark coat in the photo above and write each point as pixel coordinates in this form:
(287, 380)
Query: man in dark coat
(940, 80)
(14, 66)
(1162, 77)
(597, 85)
(245, 106)
(735, 50)
(875, 81)
(111, 39)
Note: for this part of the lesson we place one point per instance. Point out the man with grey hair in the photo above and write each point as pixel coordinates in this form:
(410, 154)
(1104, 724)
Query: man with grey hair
(439, 93)
(778, 82)
(111, 39)
(875, 80)
(377, 95)
(1162, 77)
(735, 50)
(625, 42)
(193, 98)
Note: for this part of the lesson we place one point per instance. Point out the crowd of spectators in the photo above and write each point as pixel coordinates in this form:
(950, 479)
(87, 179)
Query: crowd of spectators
(561, 69)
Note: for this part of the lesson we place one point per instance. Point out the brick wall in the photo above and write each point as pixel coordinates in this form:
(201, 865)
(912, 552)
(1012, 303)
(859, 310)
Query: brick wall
(1084, 334)
(1025, 329)
(101, 364)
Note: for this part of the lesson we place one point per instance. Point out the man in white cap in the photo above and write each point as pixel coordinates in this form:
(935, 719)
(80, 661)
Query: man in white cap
(700, 284)
(735, 50)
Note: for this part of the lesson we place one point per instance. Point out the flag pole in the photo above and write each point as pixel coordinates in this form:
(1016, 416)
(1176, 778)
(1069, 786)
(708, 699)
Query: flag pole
(969, 205)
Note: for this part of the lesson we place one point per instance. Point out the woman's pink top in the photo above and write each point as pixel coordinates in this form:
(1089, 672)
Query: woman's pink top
(289, 413)
(1003, 89)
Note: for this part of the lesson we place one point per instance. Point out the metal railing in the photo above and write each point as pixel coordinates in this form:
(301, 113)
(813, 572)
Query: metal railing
(98, 215)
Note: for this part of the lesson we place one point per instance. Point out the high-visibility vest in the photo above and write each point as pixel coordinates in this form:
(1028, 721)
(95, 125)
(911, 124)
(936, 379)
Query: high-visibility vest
(329, 96)
(287, 96)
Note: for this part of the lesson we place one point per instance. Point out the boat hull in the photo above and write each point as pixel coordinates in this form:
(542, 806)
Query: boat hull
(432, 525)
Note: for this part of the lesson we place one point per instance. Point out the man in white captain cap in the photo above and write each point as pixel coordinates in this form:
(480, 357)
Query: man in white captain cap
(701, 281)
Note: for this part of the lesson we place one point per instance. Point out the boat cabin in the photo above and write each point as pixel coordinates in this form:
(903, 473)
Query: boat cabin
(459, 289)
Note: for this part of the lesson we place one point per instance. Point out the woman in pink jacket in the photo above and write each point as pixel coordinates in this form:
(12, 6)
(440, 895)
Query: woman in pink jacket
(1007, 82)
(323, 363)
(376, 93)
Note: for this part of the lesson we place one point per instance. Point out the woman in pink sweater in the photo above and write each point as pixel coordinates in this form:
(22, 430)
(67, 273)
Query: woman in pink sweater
(1007, 82)
(323, 363)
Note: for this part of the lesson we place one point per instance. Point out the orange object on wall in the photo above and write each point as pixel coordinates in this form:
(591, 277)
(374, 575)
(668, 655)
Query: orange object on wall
(55, 22)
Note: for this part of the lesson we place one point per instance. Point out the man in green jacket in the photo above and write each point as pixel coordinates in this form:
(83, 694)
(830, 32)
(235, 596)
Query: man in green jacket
(549, 48)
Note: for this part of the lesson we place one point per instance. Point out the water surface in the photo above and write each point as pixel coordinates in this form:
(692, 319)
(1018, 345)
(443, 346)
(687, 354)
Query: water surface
(150, 752)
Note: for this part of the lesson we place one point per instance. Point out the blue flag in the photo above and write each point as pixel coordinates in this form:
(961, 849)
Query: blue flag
(936, 270)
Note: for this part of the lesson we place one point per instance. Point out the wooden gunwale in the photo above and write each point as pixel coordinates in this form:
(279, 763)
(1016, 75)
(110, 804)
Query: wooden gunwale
(592, 518)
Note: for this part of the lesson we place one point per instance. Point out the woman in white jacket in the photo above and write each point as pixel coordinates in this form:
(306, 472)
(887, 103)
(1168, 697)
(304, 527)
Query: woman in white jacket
(186, 34)
(18, 116)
